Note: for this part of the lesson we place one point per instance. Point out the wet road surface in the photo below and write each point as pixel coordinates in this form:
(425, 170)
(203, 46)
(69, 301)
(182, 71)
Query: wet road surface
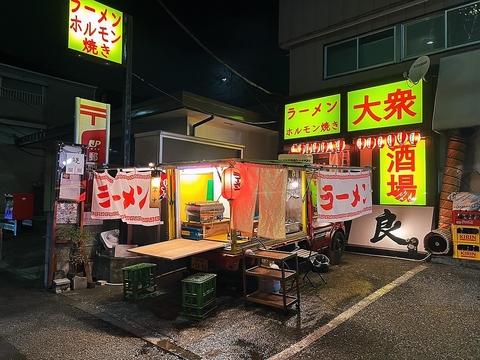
(38, 325)
(433, 315)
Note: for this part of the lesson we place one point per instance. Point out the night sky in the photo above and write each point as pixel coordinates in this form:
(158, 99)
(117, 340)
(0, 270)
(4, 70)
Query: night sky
(243, 33)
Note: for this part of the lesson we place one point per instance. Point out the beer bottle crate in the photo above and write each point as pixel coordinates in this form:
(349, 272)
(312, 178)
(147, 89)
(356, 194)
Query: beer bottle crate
(138, 281)
(466, 251)
(465, 234)
(198, 290)
(199, 313)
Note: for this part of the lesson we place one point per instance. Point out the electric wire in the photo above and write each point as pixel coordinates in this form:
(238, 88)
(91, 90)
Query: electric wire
(205, 48)
(156, 87)
(153, 86)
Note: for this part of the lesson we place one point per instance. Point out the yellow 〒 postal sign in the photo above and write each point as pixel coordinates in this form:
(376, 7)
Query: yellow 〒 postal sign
(95, 29)
(313, 117)
(394, 104)
(92, 128)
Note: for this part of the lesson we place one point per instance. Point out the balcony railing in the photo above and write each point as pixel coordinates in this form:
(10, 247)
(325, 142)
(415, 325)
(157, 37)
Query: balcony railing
(20, 95)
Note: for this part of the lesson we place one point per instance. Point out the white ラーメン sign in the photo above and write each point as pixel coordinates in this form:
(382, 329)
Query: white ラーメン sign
(343, 196)
(397, 228)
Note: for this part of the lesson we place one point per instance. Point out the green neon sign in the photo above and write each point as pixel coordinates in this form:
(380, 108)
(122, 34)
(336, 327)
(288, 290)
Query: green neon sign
(394, 104)
(403, 175)
(95, 29)
(313, 117)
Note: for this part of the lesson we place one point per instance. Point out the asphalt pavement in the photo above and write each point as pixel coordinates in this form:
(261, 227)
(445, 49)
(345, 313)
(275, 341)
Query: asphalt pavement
(435, 315)
(432, 315)
(35, 325)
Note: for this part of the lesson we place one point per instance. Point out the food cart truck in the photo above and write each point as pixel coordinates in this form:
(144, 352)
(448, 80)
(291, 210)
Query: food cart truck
(239, 205)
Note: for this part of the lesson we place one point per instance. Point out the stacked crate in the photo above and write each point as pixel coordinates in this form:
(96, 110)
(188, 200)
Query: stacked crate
(139, 281)
(466, 234)
(199, 293)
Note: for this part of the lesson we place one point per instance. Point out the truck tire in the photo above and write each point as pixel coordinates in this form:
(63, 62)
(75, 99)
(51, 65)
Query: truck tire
(337, 247)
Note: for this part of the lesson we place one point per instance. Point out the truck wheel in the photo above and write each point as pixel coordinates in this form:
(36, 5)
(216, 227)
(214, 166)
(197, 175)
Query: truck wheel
(337, 247)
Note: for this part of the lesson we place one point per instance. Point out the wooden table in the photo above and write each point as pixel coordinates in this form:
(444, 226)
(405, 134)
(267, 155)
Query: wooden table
(177, 248)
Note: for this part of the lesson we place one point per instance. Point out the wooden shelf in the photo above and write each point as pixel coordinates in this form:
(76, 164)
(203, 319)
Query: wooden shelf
(270, 273)
(270, 299)
(279, 299)
(272, 255)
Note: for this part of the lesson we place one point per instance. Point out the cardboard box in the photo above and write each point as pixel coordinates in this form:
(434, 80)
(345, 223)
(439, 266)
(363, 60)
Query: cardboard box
(198, 231)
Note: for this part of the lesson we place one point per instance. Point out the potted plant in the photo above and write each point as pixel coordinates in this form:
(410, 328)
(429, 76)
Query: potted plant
(79, 257)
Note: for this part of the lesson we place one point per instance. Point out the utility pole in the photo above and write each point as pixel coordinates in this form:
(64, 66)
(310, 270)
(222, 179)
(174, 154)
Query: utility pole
(127, 95)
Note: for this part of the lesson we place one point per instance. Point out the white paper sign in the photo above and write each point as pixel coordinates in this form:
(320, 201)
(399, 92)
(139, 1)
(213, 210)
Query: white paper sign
(74, 164)
(343, 196)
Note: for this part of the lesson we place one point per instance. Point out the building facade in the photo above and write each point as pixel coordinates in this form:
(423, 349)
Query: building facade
(351, 101)
(34, 108)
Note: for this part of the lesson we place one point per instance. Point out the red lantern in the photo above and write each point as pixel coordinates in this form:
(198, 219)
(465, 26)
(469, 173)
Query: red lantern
(307, 148)
(380, 141)
(414, 138)
(330, 147)
(340, 145)
(323, 147)
(231, 183)
(370, 143)
(401, 138)
(391, 140)
(360, 143)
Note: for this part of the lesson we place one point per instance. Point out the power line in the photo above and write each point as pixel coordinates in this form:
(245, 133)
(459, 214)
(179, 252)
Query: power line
(184, 28)
(153, 86)
(156, 87)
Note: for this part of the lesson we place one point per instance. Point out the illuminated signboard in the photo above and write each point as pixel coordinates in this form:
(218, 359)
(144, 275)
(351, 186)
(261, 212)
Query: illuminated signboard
(95, 29)
(314, 117)
(403, 174)
(395, 104)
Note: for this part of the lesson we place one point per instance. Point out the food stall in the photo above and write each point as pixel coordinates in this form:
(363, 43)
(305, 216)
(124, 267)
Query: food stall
(231, 205)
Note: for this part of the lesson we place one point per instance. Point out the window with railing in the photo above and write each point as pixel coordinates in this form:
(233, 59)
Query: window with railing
(23, 91)
(451, 28)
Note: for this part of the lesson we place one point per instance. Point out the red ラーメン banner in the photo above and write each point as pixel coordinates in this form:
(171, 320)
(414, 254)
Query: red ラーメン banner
(343, 196)
(125, 196)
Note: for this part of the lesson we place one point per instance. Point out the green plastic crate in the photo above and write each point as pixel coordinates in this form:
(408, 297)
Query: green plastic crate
(199, 313)
(138, 281)
(198, 300)
(199, 289)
